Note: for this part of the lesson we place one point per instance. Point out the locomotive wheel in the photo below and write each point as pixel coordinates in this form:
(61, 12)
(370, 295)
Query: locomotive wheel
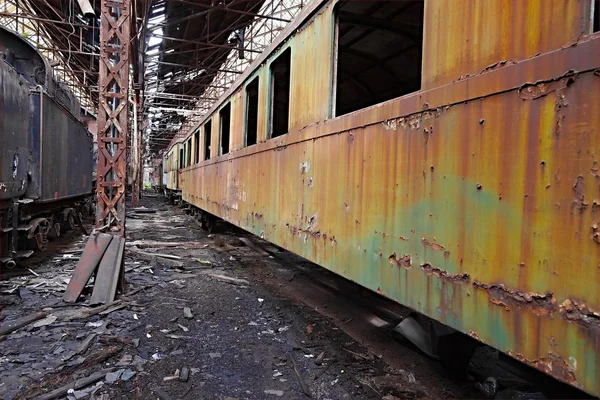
(38, 237)
(68, 223)
(54, 231)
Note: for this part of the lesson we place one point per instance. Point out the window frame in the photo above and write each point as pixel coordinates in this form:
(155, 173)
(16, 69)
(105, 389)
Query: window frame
(271, 92)
(221, 153)
(207, 143)
(256, 80)
(197, 146)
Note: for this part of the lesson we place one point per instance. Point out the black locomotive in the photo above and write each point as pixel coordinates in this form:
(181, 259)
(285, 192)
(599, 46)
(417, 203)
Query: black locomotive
(46, 159)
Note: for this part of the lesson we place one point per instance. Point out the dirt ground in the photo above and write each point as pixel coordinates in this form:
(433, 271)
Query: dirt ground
(231, 318)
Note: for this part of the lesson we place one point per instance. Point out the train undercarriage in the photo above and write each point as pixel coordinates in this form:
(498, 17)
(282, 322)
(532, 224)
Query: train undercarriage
(37, 223)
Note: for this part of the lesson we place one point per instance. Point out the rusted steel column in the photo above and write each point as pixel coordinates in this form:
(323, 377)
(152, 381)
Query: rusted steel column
(135, 152)
(113, 114)
(140, 177)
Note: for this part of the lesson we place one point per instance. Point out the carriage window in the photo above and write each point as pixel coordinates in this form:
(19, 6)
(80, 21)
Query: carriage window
(225, 119)
(207, 129)
(280, 94)
(197, 146)
(379, 48)
(180, 158)
(188, 158)
(251, 112)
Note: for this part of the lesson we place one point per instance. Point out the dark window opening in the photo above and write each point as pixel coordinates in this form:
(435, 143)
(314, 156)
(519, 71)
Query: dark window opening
(251, 112)
(180, 158)
(207, 130)
(197, 147)
(188, 158)
(379, 51)
(596, 15)
(225, 117)
(280, 94)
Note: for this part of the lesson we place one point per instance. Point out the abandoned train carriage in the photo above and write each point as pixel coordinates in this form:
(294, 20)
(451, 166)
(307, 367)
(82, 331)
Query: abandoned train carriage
(442, 153)
(172, 163)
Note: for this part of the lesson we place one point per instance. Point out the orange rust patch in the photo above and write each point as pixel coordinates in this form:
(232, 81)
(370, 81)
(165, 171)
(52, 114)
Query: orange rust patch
(553, 365)
(497, 302)
(475, 336)
(541, 89)
(445, 275)
(580, 313)
(539, 304)
(404, 261)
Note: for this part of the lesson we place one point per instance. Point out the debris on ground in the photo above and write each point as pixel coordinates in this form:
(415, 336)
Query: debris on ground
(203, 316)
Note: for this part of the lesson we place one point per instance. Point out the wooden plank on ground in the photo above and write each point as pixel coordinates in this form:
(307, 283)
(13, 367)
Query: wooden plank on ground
(92, 254)
(109, 272)
(13, 325)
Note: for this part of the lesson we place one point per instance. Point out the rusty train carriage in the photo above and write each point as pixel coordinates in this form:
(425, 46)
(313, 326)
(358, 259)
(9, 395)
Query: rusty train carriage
(471, 193)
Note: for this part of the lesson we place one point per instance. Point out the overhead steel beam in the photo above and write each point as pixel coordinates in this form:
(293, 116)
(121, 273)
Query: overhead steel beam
(229, 10)
(205, 45)
(113, 114)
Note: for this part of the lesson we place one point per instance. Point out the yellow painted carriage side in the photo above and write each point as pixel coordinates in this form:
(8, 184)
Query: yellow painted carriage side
(474, 201)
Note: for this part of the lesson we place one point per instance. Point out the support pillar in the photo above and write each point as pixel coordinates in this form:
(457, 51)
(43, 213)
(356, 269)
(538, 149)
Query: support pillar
(113, 114)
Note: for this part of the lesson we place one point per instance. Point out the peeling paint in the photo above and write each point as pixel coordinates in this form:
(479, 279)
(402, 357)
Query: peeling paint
(579, 199)
(580, 313)
(445, 275)
(539, 304)
(497, 65)
(553, 365)
(304, 167)
(416, 121)
(404, 261)
(390, 125)
(532, 91)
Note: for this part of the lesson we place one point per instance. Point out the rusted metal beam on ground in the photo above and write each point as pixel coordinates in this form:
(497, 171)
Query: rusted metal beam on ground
(110, 273)
(92, 254)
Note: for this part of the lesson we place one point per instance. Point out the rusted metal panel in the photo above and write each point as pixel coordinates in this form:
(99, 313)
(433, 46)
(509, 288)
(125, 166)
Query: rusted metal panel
(61, 152)
(311, 51)
(94, 251)
(110, 272)
(14, 133)
(475, 203)
(463, 41)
